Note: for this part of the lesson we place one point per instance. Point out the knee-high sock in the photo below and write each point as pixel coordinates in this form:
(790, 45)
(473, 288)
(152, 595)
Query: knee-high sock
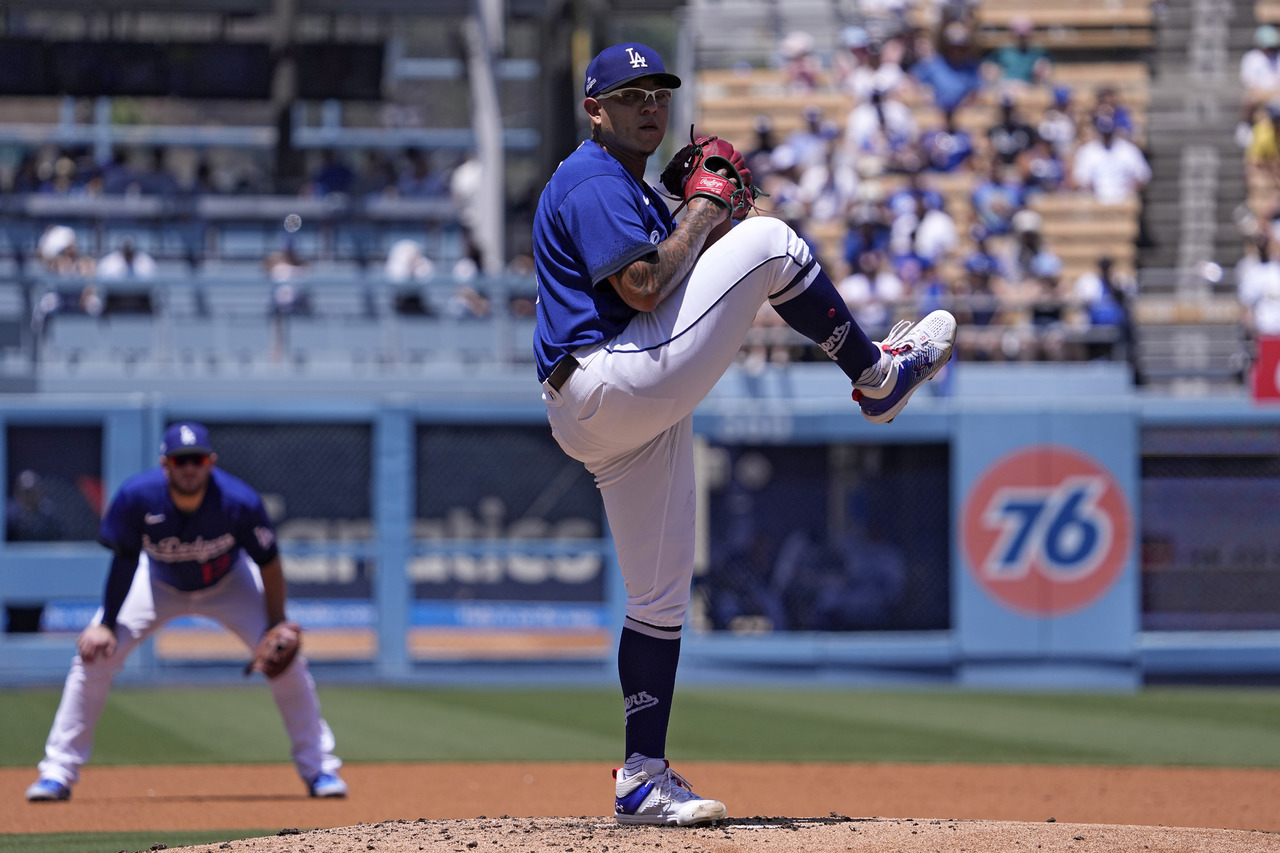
(647, 661)
(818, 312)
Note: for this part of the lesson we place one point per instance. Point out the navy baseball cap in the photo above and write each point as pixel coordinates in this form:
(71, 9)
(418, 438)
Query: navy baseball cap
(185, 437)
(619, 65)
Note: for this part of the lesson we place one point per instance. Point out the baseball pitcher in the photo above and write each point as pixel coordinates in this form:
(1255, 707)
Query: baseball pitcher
(637, 319)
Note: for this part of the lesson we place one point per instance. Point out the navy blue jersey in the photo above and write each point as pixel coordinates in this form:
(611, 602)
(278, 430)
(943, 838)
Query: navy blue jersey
(593, 219)
(189, 552)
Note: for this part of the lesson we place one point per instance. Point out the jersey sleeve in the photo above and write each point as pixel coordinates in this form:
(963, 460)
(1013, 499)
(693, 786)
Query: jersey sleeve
(604, 216)
(256, 534)
(121, 530)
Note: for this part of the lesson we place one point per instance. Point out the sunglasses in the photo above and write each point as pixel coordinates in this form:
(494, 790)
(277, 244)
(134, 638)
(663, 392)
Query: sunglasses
(188, 459)
(633, 96)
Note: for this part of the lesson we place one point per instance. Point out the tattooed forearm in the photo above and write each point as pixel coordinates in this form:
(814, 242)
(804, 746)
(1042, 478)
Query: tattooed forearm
(647, 281)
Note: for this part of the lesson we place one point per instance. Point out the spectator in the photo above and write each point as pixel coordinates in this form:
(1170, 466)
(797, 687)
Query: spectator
(921, 226)
(158, 179)
(739, 589)
(118, 177)
(333, 177)
(868, 70)
(1058, 124)
(1042, 170)
(1030, 256)
(953, 73)
(1021, 62)
(418, 180)
(26, 178)
(997, 196)
(464, 191)
(869, 233)
(800, 66)
(1107, 104)
(1260, 72)
(127, 262)
(863, 586)
(1106, 299)
(285, 264)
(62, 178)
(809, 142)
(1262, 157)
(467, 303)
(782, 181)
(758, 156)
(976, 305)
(60, 253)
(1010, 137)
(406, 261)
(1258, 288)
(1110, 167)
(882, 131)
(872, 292)
(30, 515)
(378, 176)
(827, 189)
(945, 149)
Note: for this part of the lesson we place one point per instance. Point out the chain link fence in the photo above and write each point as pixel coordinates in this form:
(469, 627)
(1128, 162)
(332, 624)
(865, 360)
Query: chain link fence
(1210, 543)
(835, 537)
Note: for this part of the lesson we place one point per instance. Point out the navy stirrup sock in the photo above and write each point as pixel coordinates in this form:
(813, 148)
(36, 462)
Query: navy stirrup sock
(819, 313)
(647, 669)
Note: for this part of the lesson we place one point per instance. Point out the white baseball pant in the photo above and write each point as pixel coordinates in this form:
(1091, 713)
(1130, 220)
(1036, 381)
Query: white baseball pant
(237, 602)
(627, 412)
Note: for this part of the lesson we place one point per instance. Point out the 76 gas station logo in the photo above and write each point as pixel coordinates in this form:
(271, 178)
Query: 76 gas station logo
(1046, 530)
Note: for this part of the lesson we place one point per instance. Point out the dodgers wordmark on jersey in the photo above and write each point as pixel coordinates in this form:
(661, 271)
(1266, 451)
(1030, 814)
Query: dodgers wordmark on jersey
(189, 551)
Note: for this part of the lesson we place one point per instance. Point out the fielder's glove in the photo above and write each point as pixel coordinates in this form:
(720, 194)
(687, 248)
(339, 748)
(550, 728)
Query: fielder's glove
(694, 172)
(276, 650)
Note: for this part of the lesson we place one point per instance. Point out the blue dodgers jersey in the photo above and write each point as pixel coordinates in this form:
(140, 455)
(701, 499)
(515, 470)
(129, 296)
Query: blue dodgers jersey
(592, 220)
(189, 552)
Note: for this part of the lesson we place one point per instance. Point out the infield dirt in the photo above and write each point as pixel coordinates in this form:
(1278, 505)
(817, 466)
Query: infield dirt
(564, 807)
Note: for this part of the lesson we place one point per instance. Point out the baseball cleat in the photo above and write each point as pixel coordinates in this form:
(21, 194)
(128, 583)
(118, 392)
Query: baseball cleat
(658, 795)
(918, 352)
(327, 785)
(45, 790)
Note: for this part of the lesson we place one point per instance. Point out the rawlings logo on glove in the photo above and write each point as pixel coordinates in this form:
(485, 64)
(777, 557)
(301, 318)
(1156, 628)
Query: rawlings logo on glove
(710, 167)
(276, 650)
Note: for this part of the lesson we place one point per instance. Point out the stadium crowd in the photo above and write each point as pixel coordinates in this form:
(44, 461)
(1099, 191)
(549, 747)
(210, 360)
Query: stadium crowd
(875, 175)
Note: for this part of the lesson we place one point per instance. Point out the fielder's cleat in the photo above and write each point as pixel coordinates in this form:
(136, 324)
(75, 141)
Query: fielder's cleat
(45, 790)
(327, 785)
(919, 352)
(658, 795)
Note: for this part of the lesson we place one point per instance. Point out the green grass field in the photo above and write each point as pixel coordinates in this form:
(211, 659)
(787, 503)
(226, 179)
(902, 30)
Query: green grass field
(1183, 726)
(1213, 727)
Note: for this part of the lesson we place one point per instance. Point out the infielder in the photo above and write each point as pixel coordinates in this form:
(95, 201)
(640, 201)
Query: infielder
(637, 319)
(189, 539)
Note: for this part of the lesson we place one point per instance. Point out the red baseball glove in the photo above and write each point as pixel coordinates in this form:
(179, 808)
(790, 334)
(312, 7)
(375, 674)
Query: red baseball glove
(710, 167)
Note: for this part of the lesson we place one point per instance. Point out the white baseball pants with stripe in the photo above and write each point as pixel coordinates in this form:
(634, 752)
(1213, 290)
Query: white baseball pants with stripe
(237, 602)
(627, 412)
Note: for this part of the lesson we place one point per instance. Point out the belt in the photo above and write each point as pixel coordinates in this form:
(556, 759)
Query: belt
(562, 371)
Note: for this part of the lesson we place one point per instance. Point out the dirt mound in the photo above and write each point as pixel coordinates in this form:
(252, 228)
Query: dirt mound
(833, 834)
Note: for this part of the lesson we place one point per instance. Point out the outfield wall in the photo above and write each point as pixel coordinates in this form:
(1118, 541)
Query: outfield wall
(1017, 526)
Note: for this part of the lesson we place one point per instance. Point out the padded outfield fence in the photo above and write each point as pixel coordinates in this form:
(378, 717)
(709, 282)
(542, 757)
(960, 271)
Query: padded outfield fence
(1019, 525)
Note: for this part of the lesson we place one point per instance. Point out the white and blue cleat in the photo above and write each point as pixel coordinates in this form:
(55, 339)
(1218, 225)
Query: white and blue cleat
(918, 353)
(46, 790)
(658, 795)
(327, 786)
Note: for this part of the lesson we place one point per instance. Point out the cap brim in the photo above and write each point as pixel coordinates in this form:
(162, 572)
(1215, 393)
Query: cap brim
(665, 80)
(189, 451)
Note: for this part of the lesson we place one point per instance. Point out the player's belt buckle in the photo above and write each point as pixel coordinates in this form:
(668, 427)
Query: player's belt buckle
(562, 371)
